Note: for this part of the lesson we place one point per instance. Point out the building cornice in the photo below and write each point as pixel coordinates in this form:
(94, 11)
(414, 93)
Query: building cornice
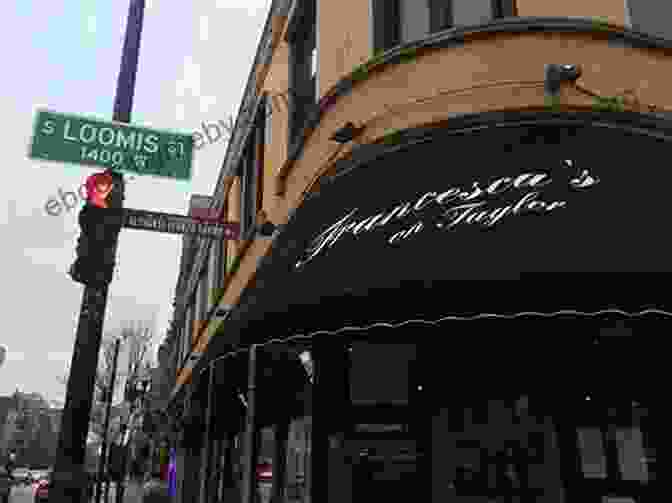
(620, 35)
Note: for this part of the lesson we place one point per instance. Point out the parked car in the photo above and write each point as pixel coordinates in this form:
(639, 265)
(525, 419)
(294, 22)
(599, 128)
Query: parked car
(6, 481)
(41, 488)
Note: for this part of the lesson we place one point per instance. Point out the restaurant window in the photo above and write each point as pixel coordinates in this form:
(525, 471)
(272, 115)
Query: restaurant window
(301, 35)
(628, 446)
(608, 451)
(297, 489)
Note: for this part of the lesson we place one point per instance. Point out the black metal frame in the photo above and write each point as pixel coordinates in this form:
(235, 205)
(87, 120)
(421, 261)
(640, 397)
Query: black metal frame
(301, 35)
(386, 24)
(440, 15)
(504, 8)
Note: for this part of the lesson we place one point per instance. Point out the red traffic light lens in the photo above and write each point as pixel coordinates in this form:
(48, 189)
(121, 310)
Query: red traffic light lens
(98, 187)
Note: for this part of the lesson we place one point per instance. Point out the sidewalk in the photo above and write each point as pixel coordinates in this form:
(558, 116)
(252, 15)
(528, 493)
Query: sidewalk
(132, 494)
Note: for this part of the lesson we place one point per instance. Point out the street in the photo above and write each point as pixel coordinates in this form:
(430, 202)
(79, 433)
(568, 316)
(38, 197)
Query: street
(21, 494)
(24, 494)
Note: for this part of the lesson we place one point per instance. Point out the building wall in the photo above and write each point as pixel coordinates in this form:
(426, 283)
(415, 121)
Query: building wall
(344, 39)
(489, 71)
(493, 71)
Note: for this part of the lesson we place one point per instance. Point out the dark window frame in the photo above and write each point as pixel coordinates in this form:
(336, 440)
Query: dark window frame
(441, 15)
(301, 35)
(387, 19)
(504, 8)
(247, 186)
(251, 173)
(386, 24)
(220, 251)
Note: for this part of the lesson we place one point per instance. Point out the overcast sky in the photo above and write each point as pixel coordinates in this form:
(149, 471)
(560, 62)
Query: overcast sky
(195, 58)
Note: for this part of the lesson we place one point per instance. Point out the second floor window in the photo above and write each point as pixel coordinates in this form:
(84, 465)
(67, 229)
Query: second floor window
(251, 172)
(302, 40)
(398, 22)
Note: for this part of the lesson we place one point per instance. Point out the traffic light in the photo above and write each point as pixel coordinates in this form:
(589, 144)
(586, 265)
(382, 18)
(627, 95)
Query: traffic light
(100, 220)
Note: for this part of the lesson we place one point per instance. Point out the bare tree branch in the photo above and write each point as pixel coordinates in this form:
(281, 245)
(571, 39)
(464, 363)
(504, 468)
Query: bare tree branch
(136, 340)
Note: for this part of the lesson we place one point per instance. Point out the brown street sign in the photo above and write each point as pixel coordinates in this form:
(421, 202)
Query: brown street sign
(178, 224)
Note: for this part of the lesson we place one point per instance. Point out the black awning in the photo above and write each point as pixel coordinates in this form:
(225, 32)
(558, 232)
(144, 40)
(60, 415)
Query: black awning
(521, 216)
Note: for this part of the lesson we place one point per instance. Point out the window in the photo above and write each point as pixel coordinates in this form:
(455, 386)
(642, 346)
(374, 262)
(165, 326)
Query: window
(251, 172)
(402, 21)
(213, 260)
(386, 29)
(247, 187)
(593, 462)
(649, 17)
(298, 461)
(301, 37)
(222, 246)
(313, 74)
(472, 12)
(606, 451)
(203, 291)
(268, 105)
(504, 8)
(414, 17)
(188, 333)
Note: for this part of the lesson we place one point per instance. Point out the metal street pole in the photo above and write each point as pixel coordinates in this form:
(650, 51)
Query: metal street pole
(102, 461)
(69, 479)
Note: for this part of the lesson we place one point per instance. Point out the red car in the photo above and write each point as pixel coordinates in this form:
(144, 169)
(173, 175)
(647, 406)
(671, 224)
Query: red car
(41, 489)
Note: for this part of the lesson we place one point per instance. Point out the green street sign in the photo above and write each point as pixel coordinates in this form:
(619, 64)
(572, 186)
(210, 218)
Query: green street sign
(108, 144)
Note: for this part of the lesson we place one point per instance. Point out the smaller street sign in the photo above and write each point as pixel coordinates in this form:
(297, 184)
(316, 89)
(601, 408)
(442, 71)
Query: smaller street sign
(79, 140)
(178, 224)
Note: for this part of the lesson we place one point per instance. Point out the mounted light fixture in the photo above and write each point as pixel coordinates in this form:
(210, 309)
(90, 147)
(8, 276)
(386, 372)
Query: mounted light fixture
(346, 133)
(555, 75)
(223, 311)
(265, 227)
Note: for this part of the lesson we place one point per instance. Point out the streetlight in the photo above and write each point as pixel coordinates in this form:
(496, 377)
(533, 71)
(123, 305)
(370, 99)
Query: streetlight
(134, 391)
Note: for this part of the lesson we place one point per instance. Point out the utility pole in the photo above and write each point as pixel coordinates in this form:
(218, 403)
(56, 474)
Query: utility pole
(69, 479)
(102, 461)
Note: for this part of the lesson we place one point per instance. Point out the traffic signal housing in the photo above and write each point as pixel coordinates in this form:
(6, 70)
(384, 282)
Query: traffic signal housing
(100, 221)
